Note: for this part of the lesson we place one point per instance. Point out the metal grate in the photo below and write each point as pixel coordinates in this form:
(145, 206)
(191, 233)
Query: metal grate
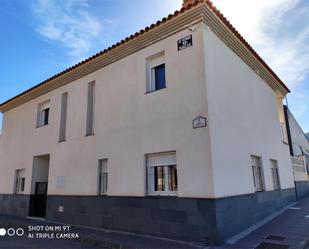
(266, 245)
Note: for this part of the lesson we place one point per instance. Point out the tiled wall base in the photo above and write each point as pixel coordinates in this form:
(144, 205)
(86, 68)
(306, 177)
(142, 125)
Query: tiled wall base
(191, 219)
(17, 205)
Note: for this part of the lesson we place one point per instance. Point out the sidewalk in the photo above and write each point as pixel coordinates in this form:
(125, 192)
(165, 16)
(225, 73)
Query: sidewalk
(88, 238)
(288, 230)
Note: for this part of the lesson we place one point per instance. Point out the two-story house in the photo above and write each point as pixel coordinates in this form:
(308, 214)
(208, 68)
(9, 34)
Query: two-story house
(175, 131)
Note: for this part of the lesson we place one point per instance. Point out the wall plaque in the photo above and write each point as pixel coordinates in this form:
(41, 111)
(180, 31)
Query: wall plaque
(199, 122)
(185, 43)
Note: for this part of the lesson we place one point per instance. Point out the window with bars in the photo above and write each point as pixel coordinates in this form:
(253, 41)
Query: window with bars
(103, 177)
(275, 173)
(257, 172)
(162, 174)
(20, 181)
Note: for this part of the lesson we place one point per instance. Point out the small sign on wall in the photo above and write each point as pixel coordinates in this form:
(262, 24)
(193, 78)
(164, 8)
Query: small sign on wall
(60, 183)
(199, 122)
(185, 43)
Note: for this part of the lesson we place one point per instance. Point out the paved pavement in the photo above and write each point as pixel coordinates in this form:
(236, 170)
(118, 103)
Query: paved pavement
(88, 238)
(288, 230)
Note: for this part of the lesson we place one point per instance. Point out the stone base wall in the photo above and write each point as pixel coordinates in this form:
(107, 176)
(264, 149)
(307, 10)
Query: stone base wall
(17, 205)
(191, 219)
(179, 218)
(235, 214)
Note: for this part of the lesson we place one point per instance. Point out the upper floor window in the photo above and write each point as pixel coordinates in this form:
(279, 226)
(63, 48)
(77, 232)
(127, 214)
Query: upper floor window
(162, 174)
(156, 79)
(43, 114)
(257, 172)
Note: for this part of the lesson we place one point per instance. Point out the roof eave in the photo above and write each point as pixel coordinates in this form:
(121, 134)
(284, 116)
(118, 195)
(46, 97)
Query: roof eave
(201, 10)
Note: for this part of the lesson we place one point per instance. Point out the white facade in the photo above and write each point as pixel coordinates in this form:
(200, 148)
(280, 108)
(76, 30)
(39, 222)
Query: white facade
(243, 121)
(207, 79)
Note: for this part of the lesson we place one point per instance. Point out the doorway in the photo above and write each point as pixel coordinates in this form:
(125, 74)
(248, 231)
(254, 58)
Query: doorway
(39, 186)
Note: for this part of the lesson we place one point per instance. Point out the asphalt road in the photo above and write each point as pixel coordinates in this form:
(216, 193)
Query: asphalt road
(40, 244)
(25, 243)
(50, 233)
(29, 234)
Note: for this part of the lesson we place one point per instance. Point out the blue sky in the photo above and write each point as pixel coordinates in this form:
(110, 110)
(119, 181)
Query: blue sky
(42, 37)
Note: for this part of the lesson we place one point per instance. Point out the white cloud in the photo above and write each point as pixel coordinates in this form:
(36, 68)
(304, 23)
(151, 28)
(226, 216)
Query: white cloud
(277, 30)
(262, 22)
(67, 22)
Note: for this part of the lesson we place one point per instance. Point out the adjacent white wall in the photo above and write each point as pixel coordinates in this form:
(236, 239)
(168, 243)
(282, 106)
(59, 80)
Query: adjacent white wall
(243, 121)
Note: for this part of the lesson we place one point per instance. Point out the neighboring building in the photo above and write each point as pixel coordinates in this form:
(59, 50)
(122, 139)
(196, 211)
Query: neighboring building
(307, 135)
(299, 150)
(174, 131)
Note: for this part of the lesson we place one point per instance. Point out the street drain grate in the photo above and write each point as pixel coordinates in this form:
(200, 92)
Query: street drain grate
(265, 245)
(275, 237)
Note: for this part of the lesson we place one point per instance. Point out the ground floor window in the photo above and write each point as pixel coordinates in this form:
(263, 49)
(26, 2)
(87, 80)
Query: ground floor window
(275, 173)
(162, 174)
(257, 172)
(103, 177)
(20, 180)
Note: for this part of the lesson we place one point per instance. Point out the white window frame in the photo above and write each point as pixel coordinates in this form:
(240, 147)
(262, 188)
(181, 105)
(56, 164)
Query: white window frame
(168, 161)
(103, 177)
(152, 63)
(257, 174)
(41, 113)
(275, 174)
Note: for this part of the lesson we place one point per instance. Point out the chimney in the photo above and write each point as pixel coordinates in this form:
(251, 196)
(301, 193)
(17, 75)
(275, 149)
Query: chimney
(187, 2)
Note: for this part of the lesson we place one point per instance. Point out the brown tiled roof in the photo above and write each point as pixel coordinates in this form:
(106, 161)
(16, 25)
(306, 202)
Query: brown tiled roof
(152, 26)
